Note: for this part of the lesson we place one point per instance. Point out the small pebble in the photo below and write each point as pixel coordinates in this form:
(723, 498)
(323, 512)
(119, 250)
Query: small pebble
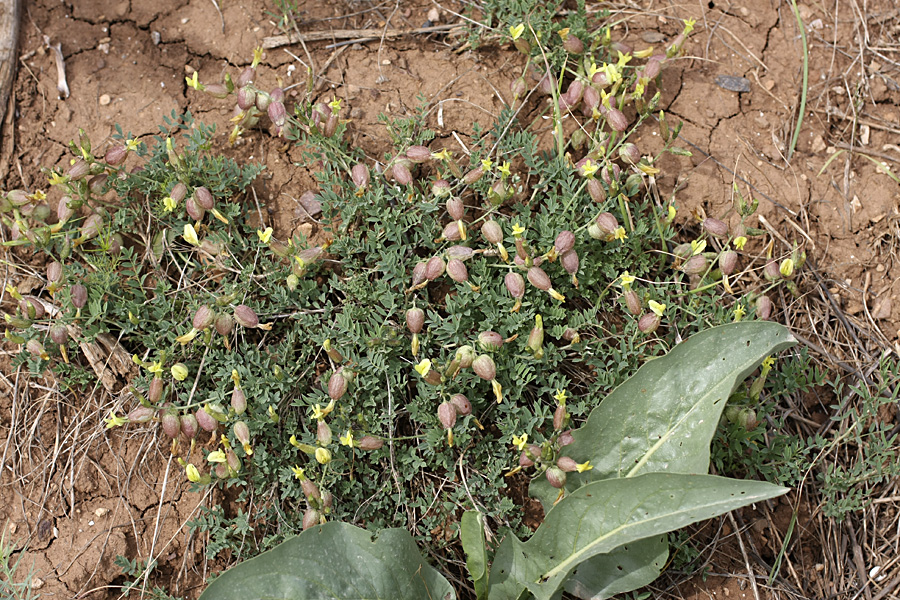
(105, 99)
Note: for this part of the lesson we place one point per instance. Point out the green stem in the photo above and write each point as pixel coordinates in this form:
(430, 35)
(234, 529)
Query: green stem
(803, 92)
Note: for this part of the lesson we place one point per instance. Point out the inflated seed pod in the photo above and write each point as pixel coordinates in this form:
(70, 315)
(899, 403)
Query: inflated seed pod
(323, 433)
(367, 442)
(171, 424)
(728, 262)
(115, 155)
(566, 438)
(515, 285)
(573, 44)
(35, 347)
(310, 489)
(460, 252)
(490, 341)
(473, 176)
(360, 176)
(311, 518)
(79, 169)
(189, 426)
(337, 386)
(608, 225)
(556, 477)
(245, 317)
(590, 101)
(715, 227)
(457, 271)
(204, 198)
(238, 401)
(455, 208)
(695, 265)
(485, 368)
(565, 241)
(652, 68)
(97, 185)
(567, 464)
(617, 120)
(141, 414)
(242, 433)
(434, 268)
(205, 420)
(203, 318)
(32, 307)
(224, 324)
(246, 97)
(91, 226)
(764, 308)
(569, 261)
(539, 279)
(59, 334)
(649, 322)
(447, 414)
(517, 88)
(451, 232)
(465, 355)
(402, 174)
(633, 302)
(461, 404)
(415, 319)
(193, 210)
(440, 188)
(155, 391)
(630, 154)
(418, 154)
(64, 209)
(79, 295)
(492, 232)
(277, 113)
(418, 274)
(772, 271)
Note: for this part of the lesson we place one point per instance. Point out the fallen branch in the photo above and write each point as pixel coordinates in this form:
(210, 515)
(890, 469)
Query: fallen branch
(276, 41)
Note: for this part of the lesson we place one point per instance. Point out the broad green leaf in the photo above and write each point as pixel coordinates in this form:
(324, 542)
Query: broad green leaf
(471, 534)
(601, 516)
(335, 561)
(663, 418)
(626, 568)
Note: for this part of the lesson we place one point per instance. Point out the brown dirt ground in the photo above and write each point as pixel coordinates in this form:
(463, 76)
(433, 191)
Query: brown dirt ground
(78, 502)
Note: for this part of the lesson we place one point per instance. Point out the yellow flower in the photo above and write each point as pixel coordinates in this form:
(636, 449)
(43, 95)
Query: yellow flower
(739, 242)
(323, 456)
(155, 368)
(560, 396)
(236, 378)
(298, 473)
(444, 154)
(518, 230)
(697, 246)
(264, 236)
(273, 416)
(604, 98)
(193, 474)
(627, 279)
(657, 307)
(38, 196)
(294, 441)
(620, 234)
(179, 371)
(671, 215)
(589, 168)
(689, 26)
(593, 70)
(194, 81)
(787, 267)
(739, 313)
(563, 33)
(516, 31)
(257, 56)
(169, 204)
(320, 413)
(57, 178)
(114, 421)
(646, 52)
(624, 59)
(189, 336)
(498, 390)
(132, 145)
(423, 367)
(767, 365)
(638, 89)
(519, 441)
(486, 164)
(347, 439)
(132, 318)
(612, 73)
(335, 105)
(190, 235)
(216, 457)
(504, 168)
(585, 466)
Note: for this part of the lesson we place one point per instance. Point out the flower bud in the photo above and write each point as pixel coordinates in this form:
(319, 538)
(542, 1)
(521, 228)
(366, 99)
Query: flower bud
(649, 322)
(556, 477)
(337, 386)
(447, 415)
(465, 355)
(171, 425)
(484, 367)
(617, 120)
(79, 295)
(535, 341)
(629, 154)
(367, 442)
(141, 414)
(245, 317)
(323, 433)
(573, 45)
(418, 154)
(224, 324)
(238, 401)
(608, 224)
(205, 420)
(565, 241)
(360, 176)
(461, 404)
(695, 265)
(455, 208)
(490, 341)
(728, 261)
(715, 227)
(633, 302)
(415, 319)
(323, 456)
(457, 271)
(311, 518)
(596, 190)
(189, 426)
(115, 155)
(59, 334)
(204, 198)
(764, 308)
(434, 268)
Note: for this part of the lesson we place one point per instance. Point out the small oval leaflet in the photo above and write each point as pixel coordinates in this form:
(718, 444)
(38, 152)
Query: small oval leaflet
(733, 84)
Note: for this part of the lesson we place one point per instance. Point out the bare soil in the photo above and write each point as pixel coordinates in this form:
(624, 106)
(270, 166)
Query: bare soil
(74, 501)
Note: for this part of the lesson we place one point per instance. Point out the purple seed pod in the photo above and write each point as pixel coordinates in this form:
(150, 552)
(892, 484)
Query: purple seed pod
(695, 265)
(204, 198)
(360, 176)
(115, 155)
(546, 84)
(608, 224)
(571, 335)
(245, 317)
(610, 174)
(189, 426)
(323, 433)
(461, 404)
(649, 322)
(728, 262)
(570, 262)
(524, 460)
(623, 47)
(277, 113)
(492, 232)
(234, 463)
(485, 368)
(455, 208)
(203, 318)
(617, 120)
(195, 212)
(238, 401)
(447, 415)
(64, 210)
(59, 334)
(224, 324)
(595, 189)
(565, 241)
(451, 232)
(567, 464)
(418, 154)
(246, 97)
(35, 347)
(277, 94)
(573, 45)
(764, 308)
(32, 307)
(633, 302)
(440, 188)
(97, 184)
(465, 355)
(559, 417)
(535, 341)
(242, 432)
(79, 169)
(311, 518)
(473, 176)
(79, 295)
(590, 100)
(170, 423)
(367, 442)
(630, 154)
(556, 477)
(205, 420)
(566, 438)
(490, 341)
(141, 414)
(155, 391)
(221, 471)
(715, 227)
(91, 226)
(539, 279)
(418, 274)
(402, 174)
(216, 90)
(310, 489)
(330, 125)
(433, 377)
(327, 499)
(246, 77)
(457, 271)
(434, 268)
(683, 251)
(515, 285)
(415, 319)
(652, 68)
(460, 252)
(179, 191)
(337, 386)
(771, 271)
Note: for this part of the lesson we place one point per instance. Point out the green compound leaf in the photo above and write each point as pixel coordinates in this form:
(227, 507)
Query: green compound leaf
(602, 516)
(335, 561)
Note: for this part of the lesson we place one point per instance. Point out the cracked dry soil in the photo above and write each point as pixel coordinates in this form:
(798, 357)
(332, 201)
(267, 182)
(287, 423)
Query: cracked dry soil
(74, 503)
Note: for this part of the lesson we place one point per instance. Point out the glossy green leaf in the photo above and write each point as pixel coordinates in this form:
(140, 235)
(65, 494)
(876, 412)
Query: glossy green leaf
(601, 516)
(335, 561)
(471, 535)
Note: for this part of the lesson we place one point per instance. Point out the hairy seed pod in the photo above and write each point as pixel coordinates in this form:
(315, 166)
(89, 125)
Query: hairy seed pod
(465, 355)
(64, 209)
(402, 174)
(447, 415)
(189, 426)
(155, 391)
(32, 307)
(574, 93)
(492, 232)
(204, 198)
(311, 518)
(546, 84)
(97, 184)
(515, 285)
(567, 464)
(310, 489)
(630, 154)
(79, 169)
(524, 460)
(633, 302)
(771, 271)
(367, 442)
(440, 188)
(418, 154)
(179, 191)
(570, 262)
(473, 176)
(238, 401)
(556, 477)
(539, 279)
(728, 262)
(683, 251)
(565, 241)
(764, 308)
(246, 97)
(517, 88)
(535, 341)
(337, 386)
(457, 271)
(193, 210)
(455, 208)
(203, 318)
(323, 433)
(715, 227)
(141, 414)
(460, 253)
(617, 120)
(596, 190)
(241, 432)
(79, 295)
(59, 334)
(566, 438)
(573, 45)
(590, 100)
(205, 420)
(649, 322)
(247, 76)
(485, 368)
(35, 347)
(91, 226)
(224, 324)
(461, 404)
(434, 268)
(611, 173)
(559, 417)
(277, 113)
(490, 341)
(451, 232)
(608, 225)
(652, 68)
(115, 155)
(418, 274)
(415, 319)
(695, 265)
(245, 317)
(171, 425)
(360, 176)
